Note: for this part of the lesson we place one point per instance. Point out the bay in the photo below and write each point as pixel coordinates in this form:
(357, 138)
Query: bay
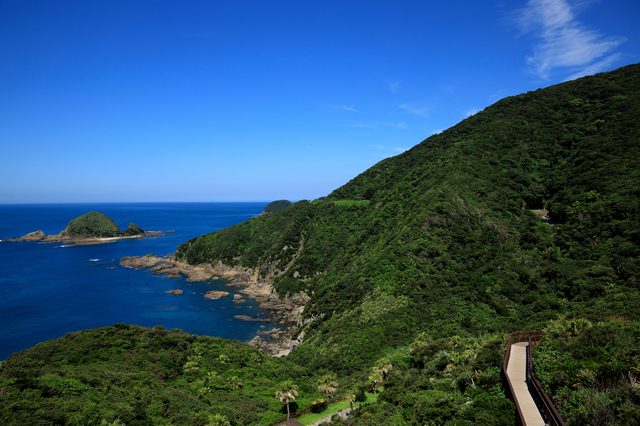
(48, 289)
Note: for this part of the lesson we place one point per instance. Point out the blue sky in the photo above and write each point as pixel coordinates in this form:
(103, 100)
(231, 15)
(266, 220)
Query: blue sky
(107, 101)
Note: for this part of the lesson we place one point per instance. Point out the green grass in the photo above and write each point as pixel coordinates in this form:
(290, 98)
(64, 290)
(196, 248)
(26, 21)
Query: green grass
(334, 408)
(343, 203)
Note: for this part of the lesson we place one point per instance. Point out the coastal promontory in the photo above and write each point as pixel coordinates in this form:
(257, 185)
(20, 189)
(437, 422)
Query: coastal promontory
(276, 206)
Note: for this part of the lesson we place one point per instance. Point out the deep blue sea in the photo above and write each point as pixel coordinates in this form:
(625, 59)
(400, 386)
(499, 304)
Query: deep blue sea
(48, 290)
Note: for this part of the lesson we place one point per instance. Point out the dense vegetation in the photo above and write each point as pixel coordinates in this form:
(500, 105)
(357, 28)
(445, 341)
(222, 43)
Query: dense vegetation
(276, 206)
(143, 376)
(96, 224)
(132, 230)
(450, 237)
(591, 371)
(140, 376)
(523, 216)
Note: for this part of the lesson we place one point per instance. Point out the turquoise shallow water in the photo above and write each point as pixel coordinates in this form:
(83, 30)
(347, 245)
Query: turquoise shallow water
(48, 290)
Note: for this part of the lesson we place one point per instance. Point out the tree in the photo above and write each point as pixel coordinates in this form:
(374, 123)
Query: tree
(191, 366)
(351, 396)
(218, 420)
(328, 384)
(287, 392)
(376, 378)
(235, 382)
(382, 366)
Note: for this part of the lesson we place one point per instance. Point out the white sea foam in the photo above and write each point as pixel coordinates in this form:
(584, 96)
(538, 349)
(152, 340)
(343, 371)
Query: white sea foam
(94, 260)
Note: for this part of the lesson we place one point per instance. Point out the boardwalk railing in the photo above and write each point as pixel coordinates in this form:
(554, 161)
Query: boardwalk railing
(535, 388)
(546, 405)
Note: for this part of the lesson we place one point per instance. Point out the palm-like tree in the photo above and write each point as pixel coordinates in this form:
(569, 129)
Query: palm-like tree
(382, 366)
(375, 378)
(204, 391)
(351, 396)
(328, 384)
(218, 420)
(235, 382)
(191, 366)
(287, 392)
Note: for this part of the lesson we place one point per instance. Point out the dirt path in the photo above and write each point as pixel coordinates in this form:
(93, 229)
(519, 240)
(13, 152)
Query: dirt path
(342, 413)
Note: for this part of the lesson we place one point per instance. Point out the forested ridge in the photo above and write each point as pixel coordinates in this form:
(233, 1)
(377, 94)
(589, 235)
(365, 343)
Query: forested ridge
(524, 216)
(448, 236)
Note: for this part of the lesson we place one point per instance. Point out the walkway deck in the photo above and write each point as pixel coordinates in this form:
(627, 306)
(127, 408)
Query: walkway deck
(517, 372)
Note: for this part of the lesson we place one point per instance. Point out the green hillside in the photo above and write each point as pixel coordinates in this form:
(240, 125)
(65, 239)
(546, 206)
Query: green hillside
(449, 238)
(143, 376)
(276, 206)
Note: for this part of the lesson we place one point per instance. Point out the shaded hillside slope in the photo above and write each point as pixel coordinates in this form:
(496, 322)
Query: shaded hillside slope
(132, 375)
(443, 239)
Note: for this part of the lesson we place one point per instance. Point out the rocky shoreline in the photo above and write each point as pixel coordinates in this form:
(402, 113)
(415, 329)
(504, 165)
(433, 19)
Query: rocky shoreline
(285, 312)
(71, 240)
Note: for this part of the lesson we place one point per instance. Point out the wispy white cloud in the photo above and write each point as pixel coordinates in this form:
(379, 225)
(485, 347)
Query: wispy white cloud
(394, 86)
(350, 108)
(471, 111)
(496, 96)
(435, 132)
(402, 125)
(604, 64)
(415, 109)
(564, 41)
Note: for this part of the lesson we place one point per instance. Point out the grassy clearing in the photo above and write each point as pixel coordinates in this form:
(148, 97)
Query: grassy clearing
(334, 408)
(343, 203)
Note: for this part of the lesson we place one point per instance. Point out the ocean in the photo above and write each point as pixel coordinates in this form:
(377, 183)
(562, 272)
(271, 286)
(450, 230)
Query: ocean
(48, 290)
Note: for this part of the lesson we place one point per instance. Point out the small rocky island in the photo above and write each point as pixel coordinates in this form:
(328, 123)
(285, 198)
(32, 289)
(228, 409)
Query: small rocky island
(90, 228)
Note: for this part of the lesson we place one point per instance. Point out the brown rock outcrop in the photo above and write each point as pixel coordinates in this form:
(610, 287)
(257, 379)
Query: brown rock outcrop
(249, 283)
(32, 236)
(72, 240)
(216, 294)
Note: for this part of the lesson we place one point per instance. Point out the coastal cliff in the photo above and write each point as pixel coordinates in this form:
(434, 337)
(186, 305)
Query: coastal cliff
(285, 311)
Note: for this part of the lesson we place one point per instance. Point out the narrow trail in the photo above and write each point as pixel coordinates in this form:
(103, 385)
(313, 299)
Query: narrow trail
(342, 413)
(517, 372)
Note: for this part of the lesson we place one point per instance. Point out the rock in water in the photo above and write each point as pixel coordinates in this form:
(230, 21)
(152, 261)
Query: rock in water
(33, 236)
(216, 294)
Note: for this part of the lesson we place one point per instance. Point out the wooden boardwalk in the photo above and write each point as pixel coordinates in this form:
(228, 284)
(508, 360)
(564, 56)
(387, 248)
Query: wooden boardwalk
(517, 372)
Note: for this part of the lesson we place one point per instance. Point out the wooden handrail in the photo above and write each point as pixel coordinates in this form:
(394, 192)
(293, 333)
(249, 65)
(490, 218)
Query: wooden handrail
(535, 388)
(548, 408)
